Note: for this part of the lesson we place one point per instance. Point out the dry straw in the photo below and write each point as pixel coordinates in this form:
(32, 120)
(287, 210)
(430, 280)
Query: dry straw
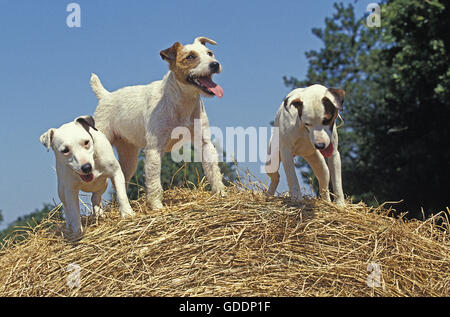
(245, 244)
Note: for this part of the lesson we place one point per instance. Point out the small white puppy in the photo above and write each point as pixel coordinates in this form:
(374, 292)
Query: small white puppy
(306, 122)
(144, 116)
(84, 161)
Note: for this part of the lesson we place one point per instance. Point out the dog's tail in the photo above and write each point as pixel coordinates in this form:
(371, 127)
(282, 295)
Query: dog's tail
(97, 87)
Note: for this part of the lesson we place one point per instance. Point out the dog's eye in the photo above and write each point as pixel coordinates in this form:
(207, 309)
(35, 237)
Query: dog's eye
(65, 150)
(86, 143)
(210, 53)
(190, 57)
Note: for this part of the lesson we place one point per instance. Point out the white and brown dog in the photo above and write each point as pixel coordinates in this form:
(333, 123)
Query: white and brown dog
(144, 116)
(306, 122)
(84, 161)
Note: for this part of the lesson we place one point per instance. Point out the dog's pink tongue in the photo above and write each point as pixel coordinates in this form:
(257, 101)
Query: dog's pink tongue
(327, 152)
(212, 86)
(87, 178)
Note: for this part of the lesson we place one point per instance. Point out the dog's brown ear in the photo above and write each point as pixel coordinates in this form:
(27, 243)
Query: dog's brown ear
(338, 96)
(47, 138)
(86, 122)
(331, 111)
(297, 103)
(170, 54)
(202, 40)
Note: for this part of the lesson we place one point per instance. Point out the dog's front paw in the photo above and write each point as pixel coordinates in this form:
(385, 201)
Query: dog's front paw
(98, 212)
(156, 204)
(220, 190)
(127, 213)
(73, 236)
(340, 202)
(296, 197)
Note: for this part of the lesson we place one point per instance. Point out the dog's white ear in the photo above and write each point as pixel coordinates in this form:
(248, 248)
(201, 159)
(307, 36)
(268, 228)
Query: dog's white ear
(336, 96)
(203, 40)
(47, 138)
(86, 122)
(295, 102)
(170, 54)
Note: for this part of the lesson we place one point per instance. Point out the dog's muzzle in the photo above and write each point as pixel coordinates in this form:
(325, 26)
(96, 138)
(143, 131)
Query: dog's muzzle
(87, 170)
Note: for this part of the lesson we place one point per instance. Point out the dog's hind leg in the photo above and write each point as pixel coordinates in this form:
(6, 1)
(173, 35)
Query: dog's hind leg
(272, 167)
(128, 157)
(274, 181)
(96, 200)
(320, 169)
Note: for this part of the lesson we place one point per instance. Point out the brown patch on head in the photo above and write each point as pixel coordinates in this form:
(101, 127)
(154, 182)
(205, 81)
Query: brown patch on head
(339, 95)
(170, 54)
(86, 122)
(331, 111)
(181, 61)
(297, 103)
(286, 104)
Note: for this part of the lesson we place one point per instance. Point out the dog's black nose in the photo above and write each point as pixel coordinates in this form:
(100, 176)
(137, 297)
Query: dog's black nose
(319, 146)
(214, 66)
(86, 168)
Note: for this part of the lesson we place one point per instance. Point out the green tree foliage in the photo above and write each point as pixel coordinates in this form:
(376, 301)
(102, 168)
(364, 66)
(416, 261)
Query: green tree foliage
(22, 225)
(1, 216)
(395, 141)
(175, 174)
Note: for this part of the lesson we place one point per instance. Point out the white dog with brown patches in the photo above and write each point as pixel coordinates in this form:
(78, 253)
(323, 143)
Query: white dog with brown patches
(306, 122)
(84, 161)
(144, 116)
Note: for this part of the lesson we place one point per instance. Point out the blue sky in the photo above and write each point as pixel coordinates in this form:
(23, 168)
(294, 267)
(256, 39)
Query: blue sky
(45, 68)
